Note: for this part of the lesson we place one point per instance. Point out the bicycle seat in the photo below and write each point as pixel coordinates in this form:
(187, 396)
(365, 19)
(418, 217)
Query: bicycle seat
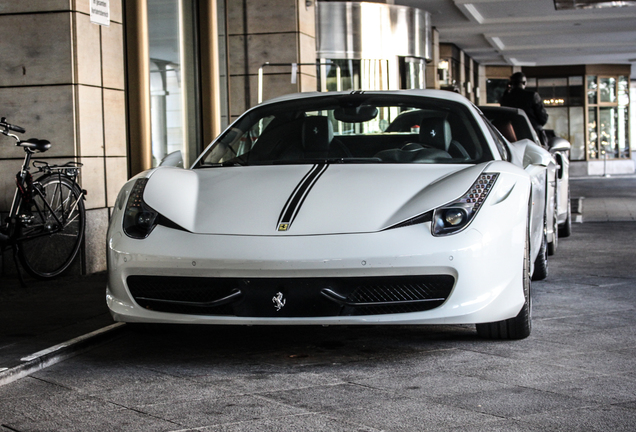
(36, 144)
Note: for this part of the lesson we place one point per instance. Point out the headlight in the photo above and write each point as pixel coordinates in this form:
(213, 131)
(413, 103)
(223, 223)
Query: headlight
(455, 216)
(139, 218)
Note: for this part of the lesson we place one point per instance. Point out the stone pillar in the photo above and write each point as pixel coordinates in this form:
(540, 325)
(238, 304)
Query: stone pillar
(277, 31)
(63, 80)
(481, 86)
(432, 81)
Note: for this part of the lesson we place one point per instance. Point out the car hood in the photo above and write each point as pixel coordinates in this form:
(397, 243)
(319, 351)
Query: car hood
(303, 199)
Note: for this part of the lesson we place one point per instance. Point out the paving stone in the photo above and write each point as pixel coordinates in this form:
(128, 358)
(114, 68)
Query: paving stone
(600, 389)
(61, 409)
(217, 411)
(587, 419)
(512, 402)
(308, 422)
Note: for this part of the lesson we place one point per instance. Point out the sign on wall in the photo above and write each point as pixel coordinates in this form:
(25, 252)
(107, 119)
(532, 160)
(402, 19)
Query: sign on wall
(100, 12)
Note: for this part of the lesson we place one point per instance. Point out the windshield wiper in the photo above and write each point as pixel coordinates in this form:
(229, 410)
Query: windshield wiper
(229, 163)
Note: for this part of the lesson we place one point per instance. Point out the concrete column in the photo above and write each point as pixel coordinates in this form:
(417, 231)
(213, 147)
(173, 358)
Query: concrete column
(63, 80)
(432, 81)
(277, 31)
(632, 119)
(481, 85)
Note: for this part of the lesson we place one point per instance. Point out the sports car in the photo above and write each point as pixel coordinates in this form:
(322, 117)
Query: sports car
(312, 209)
(515, 125)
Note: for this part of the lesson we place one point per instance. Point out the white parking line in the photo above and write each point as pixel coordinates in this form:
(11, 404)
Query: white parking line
(50, 356)
(70, 342)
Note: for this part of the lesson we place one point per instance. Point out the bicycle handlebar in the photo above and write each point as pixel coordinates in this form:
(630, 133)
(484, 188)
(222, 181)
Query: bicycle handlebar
(8, 126)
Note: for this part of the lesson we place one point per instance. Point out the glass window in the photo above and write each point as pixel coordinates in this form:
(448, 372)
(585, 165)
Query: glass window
(558, 121)
(348, 71)
(223, 70)
(623, 118)
(575, 93)
(495, 89)
(608, 118)
(356, 74)
(608, 131)
(553, 91)
(622, 142)
(412, 73)
(623, 91)
(577, 133)
(592, 135)
(607, 89)
(592, 89)
(171, 49)
(374, 74)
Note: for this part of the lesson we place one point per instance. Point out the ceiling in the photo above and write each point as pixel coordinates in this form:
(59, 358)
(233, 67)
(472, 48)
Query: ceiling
(534, 33)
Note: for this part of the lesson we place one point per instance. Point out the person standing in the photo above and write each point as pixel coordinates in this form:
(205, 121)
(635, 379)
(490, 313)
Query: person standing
(518, 97)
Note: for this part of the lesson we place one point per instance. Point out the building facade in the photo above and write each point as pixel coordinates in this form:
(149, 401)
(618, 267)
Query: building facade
(168, 75)
(588, 105)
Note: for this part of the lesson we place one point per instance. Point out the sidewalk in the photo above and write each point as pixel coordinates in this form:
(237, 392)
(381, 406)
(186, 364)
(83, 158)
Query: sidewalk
(605, 199)
(46, 313)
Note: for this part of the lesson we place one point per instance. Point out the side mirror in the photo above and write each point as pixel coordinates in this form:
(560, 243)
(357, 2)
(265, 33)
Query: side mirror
(174, 159)
(532, 153)
(558, 144)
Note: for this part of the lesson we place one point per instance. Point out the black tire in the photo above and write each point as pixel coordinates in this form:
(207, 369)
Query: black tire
(541, 262)
(565, 229)
(47, 249)
(520, 326)
(552, 246)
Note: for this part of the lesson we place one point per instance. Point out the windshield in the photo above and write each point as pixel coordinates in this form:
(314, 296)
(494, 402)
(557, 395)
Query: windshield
(352, 128)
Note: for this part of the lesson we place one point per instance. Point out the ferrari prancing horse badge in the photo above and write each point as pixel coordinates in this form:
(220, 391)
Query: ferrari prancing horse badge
(279, 301)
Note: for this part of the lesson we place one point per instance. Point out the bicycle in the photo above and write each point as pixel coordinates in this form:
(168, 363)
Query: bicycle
(46, 222)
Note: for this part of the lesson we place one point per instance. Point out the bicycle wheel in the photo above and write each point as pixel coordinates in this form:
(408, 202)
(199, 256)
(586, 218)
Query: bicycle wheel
(52, 226)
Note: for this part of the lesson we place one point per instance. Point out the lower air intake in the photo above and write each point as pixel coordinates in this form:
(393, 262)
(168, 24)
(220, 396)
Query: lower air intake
(303, 297)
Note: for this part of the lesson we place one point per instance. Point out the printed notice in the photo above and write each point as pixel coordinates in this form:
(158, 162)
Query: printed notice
(100, 12)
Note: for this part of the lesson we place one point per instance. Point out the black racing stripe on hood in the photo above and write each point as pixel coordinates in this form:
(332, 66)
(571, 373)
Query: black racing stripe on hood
(297, 198)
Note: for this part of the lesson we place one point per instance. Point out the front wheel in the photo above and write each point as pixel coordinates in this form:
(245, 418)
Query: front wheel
(565, 230)
(520, 326)
(541, 263)
(552, 246)
(52, 227)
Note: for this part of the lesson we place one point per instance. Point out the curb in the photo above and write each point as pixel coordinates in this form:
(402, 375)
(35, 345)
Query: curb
(577, 209)
(57, 353)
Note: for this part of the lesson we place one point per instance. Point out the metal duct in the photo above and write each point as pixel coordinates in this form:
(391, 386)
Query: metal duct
(358, 30)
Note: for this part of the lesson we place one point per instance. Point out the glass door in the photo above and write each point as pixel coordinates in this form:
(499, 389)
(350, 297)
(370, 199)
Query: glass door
(173, 79)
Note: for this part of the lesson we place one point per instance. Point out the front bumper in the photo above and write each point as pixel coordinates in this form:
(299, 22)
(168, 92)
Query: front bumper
(486, 270)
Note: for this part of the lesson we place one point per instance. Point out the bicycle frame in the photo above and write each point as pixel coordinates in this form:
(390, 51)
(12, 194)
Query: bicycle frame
(21, 186)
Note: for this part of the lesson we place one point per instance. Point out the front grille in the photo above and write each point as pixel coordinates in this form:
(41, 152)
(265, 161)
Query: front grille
(304, 297)
(432, 287)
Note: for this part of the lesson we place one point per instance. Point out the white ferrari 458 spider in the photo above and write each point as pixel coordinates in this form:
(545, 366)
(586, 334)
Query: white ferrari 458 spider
(396, 207)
